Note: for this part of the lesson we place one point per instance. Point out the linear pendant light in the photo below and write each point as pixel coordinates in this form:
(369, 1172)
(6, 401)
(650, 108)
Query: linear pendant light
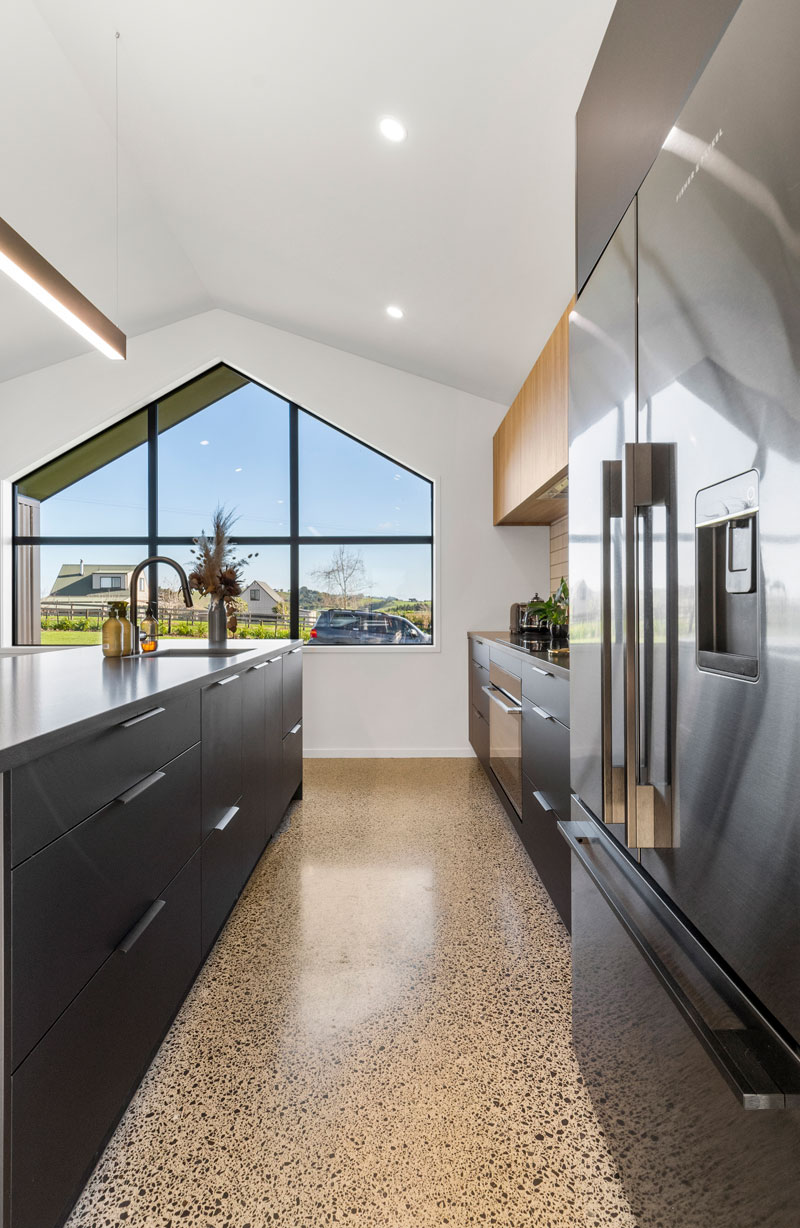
(30, 270)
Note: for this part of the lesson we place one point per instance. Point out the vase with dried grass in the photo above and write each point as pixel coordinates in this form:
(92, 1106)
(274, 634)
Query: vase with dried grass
(218, 573)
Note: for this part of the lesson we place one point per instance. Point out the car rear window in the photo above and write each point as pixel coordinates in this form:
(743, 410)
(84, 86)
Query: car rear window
(341, 619)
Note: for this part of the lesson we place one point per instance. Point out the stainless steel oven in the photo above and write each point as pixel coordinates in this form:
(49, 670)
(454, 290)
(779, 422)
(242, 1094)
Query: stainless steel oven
(505, 731)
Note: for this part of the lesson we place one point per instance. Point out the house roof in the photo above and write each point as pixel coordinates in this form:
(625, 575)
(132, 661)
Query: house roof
(272, 593)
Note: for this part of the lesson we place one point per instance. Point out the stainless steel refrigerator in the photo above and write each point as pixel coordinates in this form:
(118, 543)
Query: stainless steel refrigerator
(685, 653)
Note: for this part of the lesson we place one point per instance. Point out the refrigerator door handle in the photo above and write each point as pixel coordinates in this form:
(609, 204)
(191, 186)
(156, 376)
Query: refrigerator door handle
(648, 482)
(613, 774)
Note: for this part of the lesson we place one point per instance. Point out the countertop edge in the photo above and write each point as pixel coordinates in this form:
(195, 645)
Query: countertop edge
(15, 754)
(498, 637)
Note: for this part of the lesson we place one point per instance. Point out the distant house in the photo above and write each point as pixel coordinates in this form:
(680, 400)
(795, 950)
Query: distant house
(87, 585)
(261, 598)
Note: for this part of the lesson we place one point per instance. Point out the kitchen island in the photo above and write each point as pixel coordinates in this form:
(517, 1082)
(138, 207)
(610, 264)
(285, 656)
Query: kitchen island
(138, 795)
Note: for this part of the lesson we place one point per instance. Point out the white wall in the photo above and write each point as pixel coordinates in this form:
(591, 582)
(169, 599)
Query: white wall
(356, 702)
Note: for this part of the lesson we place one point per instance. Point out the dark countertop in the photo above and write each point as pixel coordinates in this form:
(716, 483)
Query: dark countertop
(50, 699)
(559, 661)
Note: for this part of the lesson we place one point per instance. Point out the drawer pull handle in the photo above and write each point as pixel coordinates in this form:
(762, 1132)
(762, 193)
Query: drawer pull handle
(274, 661)
(143, 785)
(478, 665)
(293, 650)
(262, 665)
(493, 693)
(545, 672)
(542, 800)
(133, 936)
(225, 681)
(145, 716)
(296, 729)
(226, 818)
(541, 712)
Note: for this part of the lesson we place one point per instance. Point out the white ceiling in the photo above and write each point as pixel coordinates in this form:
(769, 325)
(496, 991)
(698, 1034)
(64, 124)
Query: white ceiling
(252, 175)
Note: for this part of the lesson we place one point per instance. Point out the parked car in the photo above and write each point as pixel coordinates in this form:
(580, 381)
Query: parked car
(365, 627)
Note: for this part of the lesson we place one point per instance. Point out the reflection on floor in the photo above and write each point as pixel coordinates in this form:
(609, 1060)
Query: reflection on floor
(381, 1036)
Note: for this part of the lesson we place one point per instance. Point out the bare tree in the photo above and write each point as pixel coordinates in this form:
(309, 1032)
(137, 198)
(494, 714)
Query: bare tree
(345, 576)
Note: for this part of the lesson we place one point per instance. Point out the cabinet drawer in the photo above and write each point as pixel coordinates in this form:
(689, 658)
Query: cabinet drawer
(225, 869)
(479, 735)
(222, 748)
(292, 688)
(478, 679)
(545, 755)
(292, 764)
(479, 651)
(52, 794)
(547, 689)
(547, 849)
(68, 1094)
(74, 901)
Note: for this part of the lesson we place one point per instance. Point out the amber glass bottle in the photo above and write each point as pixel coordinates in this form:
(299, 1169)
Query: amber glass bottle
(127, 628)
(148, 638)
(112, 634)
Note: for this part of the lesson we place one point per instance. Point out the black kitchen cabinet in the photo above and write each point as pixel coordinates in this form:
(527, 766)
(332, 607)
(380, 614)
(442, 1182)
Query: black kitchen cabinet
(273, 743)
(292, 689)
(51, 794)
(68, 1094)
(545, 753)
(546, 847)
(122, 881)
(254, 765)
(222, 749)
(225, 854)
(292, 763)
(73, 902)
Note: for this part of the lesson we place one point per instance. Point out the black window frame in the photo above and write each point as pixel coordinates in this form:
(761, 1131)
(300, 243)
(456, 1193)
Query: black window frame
(153, 542)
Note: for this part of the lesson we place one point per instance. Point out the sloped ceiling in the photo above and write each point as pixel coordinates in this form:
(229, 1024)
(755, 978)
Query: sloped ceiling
(252, 175)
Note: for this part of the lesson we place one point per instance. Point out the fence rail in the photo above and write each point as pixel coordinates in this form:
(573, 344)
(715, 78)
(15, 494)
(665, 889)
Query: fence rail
(96, 614)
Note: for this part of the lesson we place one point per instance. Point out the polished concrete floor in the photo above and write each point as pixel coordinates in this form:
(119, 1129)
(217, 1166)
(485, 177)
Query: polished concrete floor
(380, 1037)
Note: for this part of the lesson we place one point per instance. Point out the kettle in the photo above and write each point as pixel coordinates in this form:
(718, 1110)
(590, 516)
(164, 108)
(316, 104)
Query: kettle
(517, 617)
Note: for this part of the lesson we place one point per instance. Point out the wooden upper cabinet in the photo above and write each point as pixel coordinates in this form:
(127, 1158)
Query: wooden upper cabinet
(531, 443)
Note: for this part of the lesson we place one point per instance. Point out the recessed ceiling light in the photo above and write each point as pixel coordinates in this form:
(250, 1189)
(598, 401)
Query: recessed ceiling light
(395, 312)
(392, 129)
(239, 470)
(203, 443)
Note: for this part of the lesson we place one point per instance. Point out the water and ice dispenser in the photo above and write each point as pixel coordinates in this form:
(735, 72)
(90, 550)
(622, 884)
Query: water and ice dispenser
(726, 530)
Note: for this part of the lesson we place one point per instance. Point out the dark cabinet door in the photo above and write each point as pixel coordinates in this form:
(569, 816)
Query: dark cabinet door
(253, 803)
(273, 744)
(73, 902)
(292, 763)
(226, 852)
(292, 688)
(546, 847)
(545, 755)
(222, 749)
(54, 793)
(479, 735)
(68, 1094)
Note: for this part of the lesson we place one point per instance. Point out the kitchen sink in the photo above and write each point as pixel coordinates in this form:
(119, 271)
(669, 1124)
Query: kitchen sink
(205, 651)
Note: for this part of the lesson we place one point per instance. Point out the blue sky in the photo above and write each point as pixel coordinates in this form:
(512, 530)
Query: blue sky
(236, 453)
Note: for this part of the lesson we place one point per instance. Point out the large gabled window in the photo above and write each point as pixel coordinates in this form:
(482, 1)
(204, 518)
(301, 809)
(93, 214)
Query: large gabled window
(341, 536)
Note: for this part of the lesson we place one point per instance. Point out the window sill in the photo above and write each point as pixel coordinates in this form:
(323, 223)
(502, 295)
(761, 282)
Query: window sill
(369, 649)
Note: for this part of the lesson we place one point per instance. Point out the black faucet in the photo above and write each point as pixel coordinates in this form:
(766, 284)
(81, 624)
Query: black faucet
(137, 571)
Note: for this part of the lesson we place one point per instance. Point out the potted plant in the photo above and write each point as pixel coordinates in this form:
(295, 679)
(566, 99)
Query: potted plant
(219, 574)
(555, 611)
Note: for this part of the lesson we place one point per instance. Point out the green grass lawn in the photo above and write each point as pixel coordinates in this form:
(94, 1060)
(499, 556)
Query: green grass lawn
(70, 637)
